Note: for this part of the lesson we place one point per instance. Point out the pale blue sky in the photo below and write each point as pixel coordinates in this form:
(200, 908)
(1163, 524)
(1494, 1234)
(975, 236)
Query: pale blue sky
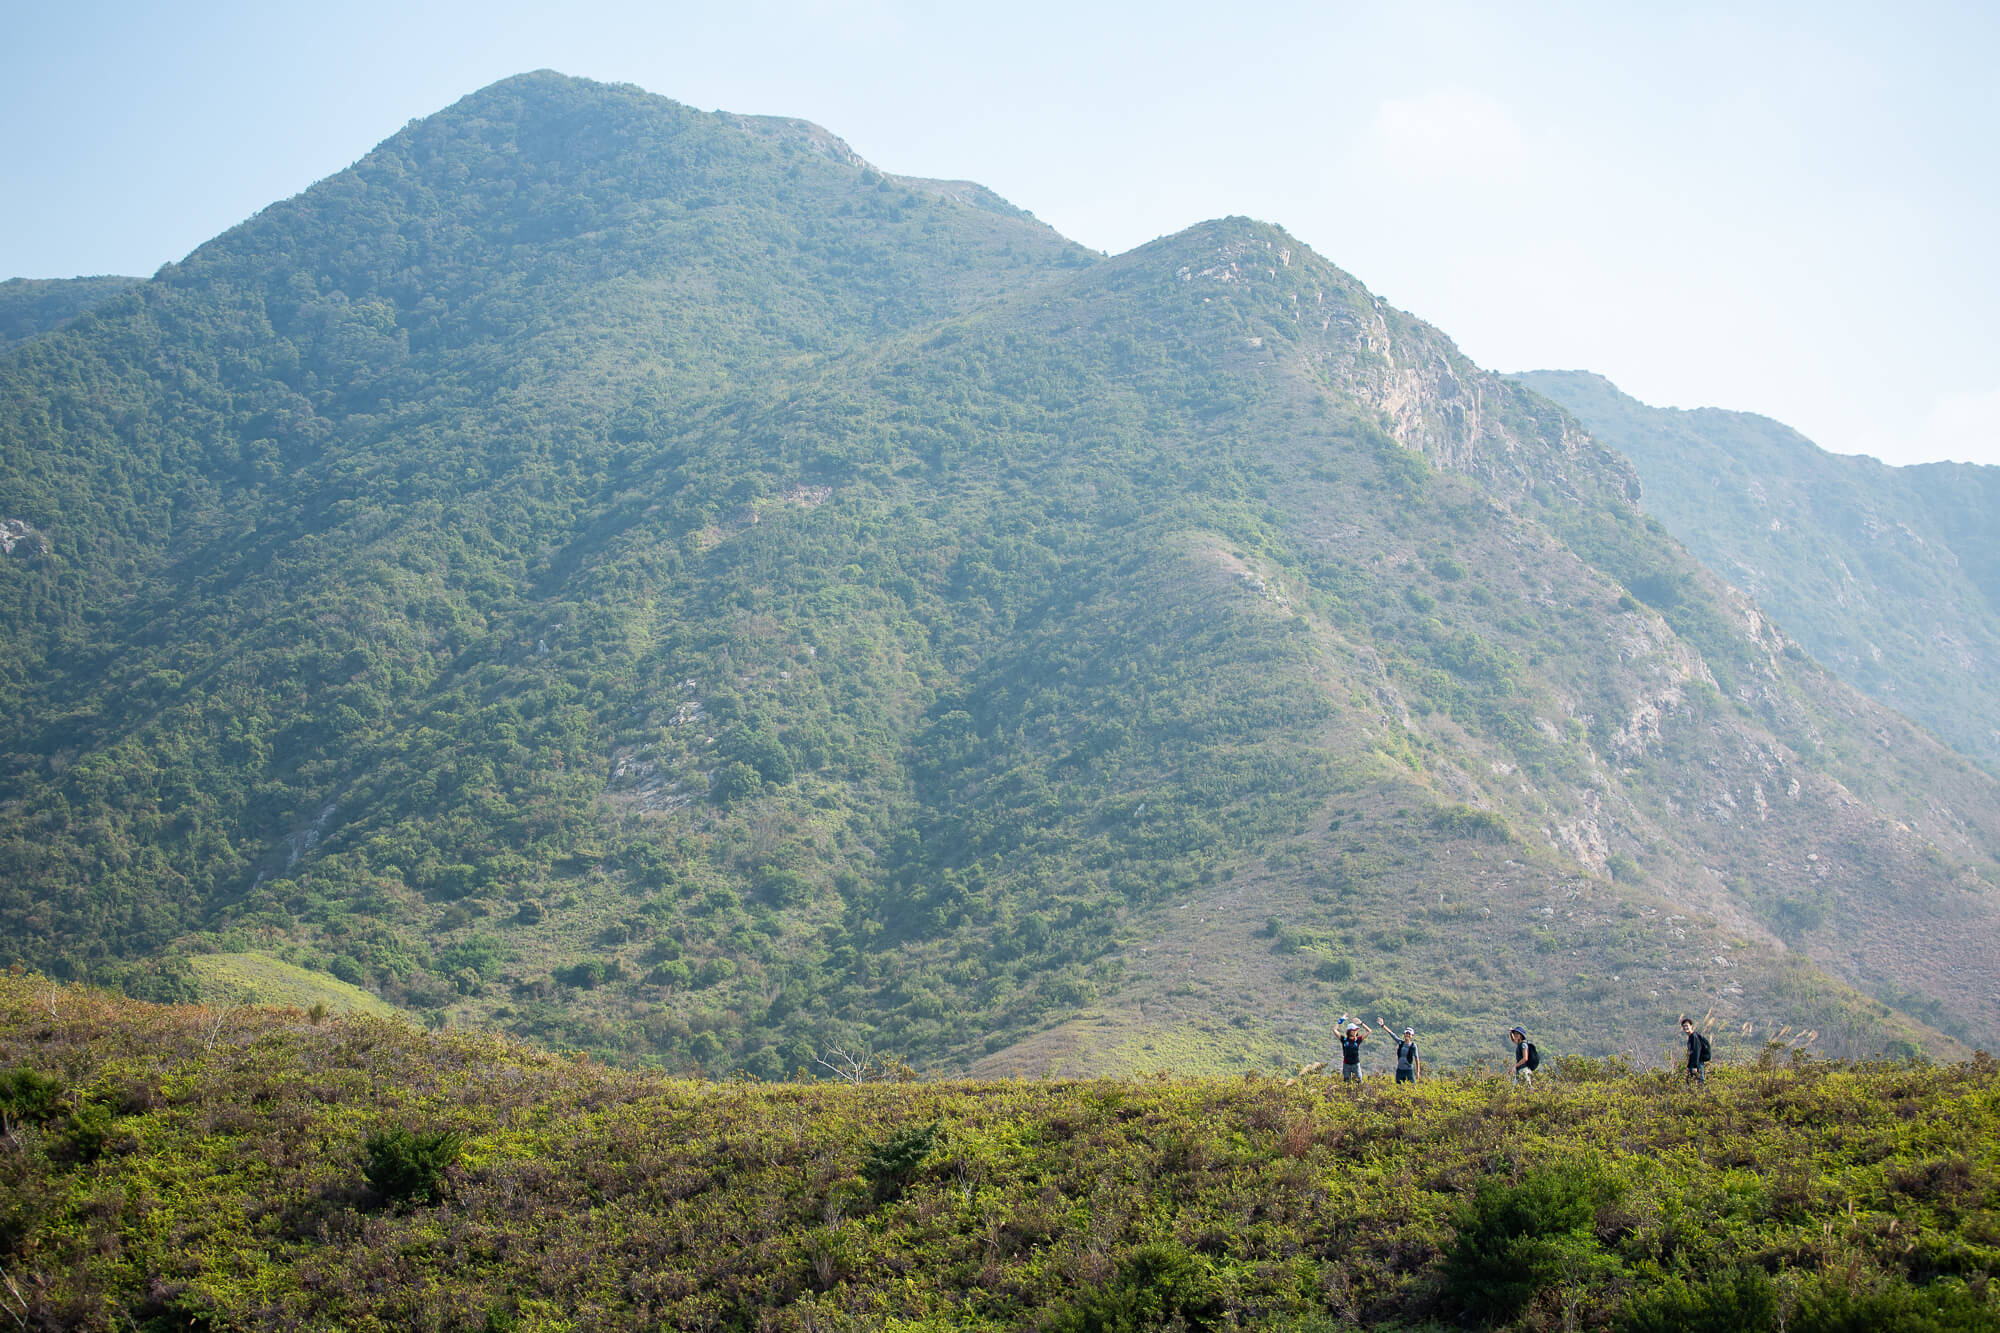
(1790, 210)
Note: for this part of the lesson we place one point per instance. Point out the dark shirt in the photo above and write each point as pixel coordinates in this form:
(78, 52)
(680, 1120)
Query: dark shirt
(1406, 1055)
(1520, 1051)
(1350, 1050)
(1694, 1049)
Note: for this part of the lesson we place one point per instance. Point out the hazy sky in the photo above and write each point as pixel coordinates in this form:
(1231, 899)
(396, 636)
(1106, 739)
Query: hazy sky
(1790, 211)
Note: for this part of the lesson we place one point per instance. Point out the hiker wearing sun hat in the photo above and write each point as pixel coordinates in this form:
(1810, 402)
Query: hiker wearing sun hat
(1526, 1058)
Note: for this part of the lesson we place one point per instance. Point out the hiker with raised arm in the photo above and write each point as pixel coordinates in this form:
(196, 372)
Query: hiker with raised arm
(1350, 1052)
(1699, 1052)
(1407, 1060)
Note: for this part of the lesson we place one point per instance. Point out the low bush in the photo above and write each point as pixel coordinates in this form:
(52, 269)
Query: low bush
(1742, 1300)
(1516, 1240)
(1159, 1286)
(406, 1166)
(28, 1098)
(892, 1164)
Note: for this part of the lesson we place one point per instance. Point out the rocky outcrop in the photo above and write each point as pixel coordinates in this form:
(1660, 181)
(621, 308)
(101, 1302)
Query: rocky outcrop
(22, 540)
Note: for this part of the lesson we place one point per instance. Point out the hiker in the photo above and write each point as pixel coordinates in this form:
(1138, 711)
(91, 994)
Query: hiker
(1526, 1058)
(1699, 1052)
(1407, 1062)
(1350, 1052)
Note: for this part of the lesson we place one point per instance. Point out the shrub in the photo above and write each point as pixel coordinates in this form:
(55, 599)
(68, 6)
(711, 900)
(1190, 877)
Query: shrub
(672, 972)
(1514, 1241)
(1587, 1069)
(1158, 1286)
(407, 1166)
(892, 1164)
(28, 1098)
(735, 781)
(1743, 1300)
(784, 888)
(1944, 1307)
(586, 975)
(761, 751)
(88, 1130)
(1333, 969)
(1463, 821)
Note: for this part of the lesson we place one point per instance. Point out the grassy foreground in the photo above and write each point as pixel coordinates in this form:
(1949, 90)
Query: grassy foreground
(232, 1169)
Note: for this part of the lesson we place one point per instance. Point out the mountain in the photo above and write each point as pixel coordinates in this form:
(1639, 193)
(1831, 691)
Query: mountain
(1889, 575)
(29, 306)
(651, 581)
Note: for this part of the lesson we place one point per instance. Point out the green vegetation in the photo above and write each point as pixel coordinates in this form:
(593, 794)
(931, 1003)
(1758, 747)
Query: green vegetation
(360, 1175)
(407, 1166)
(645, 581)
(1890, 576)
(259, 978)
(29, 306)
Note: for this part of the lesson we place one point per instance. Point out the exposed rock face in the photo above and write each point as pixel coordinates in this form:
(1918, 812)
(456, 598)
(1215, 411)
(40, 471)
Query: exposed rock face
(1890, 576)
(21, 540)
(1433, 401)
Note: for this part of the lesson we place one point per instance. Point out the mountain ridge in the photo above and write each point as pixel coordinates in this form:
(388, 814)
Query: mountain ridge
(33, 306)
(596, 571)
(1890, 575)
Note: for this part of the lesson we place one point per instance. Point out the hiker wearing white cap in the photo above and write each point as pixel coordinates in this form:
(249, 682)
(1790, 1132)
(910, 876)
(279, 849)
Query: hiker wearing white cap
(1407, 1062)
(1351, 1038)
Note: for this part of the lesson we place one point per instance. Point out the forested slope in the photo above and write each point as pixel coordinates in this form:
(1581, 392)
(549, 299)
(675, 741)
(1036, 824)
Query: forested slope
(1889, 575)
(29, 306)
(651, 581)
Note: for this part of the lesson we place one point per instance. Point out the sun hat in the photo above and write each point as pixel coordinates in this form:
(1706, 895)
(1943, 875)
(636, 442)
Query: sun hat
(1409, 1032)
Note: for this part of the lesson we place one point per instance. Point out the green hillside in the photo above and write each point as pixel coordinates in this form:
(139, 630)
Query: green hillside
(649, 581)
(168, 1168)
(258, 978)
(1890, 576)
(29, 306)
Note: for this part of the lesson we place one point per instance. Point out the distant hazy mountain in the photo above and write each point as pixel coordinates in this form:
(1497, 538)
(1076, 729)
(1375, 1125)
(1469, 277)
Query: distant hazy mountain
(651, 580)
(29, 306)
(1889, 575)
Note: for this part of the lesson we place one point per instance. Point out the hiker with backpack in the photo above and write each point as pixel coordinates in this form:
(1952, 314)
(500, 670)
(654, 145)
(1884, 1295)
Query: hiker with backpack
(1407, 1060)
(1350, 1052)
(1526, 1058)
(1699, 1052)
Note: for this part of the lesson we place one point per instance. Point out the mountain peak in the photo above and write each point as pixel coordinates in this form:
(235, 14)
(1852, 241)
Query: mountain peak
(649, 578)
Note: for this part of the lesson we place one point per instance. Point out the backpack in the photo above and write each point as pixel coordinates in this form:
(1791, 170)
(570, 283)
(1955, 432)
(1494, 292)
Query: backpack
(1704, 1047)
(1534, 1057)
